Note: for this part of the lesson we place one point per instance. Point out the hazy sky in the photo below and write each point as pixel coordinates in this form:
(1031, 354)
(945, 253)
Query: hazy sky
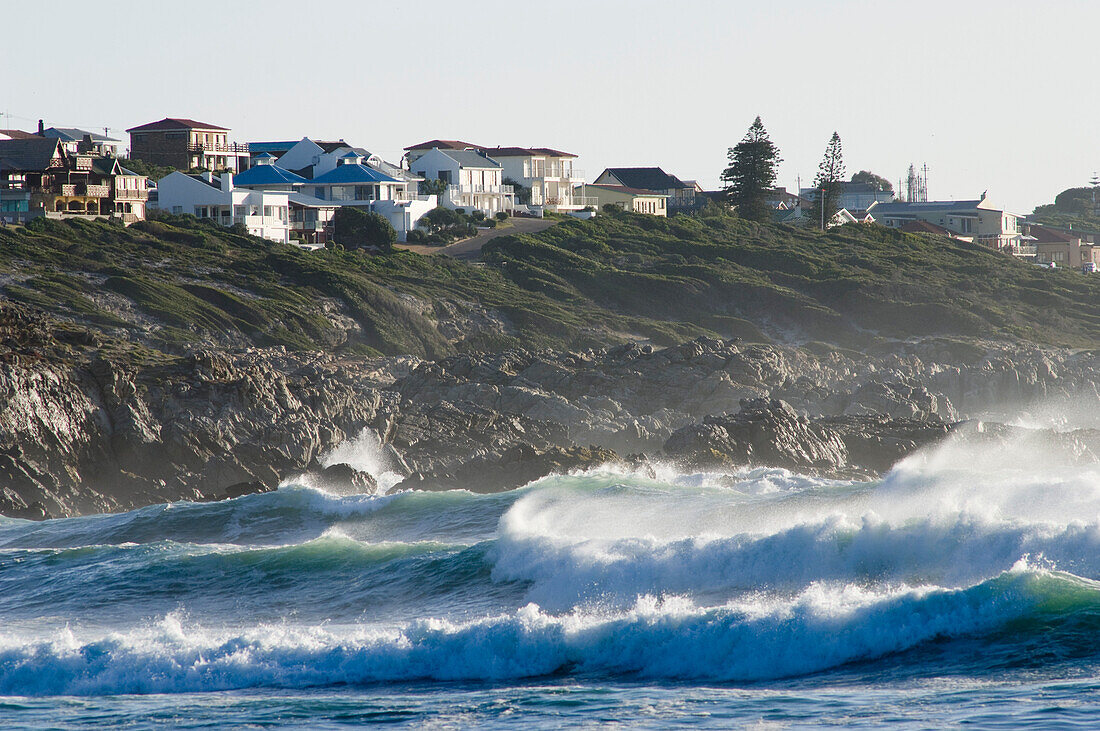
(993, 94)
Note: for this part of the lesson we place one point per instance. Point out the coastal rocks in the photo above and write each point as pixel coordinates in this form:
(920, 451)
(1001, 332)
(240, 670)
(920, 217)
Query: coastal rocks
(763, 432)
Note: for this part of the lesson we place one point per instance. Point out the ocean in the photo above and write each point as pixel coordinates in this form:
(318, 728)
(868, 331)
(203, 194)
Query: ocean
(959, 589)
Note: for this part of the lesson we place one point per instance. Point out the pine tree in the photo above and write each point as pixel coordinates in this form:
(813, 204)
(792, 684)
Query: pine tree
(751, 173)
(830, 174)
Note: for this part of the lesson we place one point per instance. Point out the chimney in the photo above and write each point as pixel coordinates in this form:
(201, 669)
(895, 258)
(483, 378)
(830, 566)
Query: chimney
(227, 182)
(41, 129)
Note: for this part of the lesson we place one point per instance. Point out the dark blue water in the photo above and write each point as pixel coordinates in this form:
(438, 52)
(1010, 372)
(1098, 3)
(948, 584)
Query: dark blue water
(959, 590)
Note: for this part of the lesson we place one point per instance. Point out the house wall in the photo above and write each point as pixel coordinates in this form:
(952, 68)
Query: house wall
(302, 155)
(655, 205)
(263, 213)
(161, 147)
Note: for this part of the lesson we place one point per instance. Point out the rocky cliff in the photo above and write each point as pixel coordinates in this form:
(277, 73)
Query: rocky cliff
(85, 428)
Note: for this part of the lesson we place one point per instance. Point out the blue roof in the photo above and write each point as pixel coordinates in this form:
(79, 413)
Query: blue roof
(270, 146)
(267, 175)
(344, 174)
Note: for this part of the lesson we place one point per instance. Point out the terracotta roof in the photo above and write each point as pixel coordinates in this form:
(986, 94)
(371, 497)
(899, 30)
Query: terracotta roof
(442, 144)
(18, 134)
(176, 123)
(524, 152)
(924, 227)
(1044, 235)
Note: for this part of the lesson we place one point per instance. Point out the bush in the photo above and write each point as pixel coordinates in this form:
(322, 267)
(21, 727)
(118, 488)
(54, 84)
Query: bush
(356, 229)
(502, 216)
(477, 215)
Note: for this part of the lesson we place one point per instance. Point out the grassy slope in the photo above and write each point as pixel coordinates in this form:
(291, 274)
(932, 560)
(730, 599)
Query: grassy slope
(167, 284)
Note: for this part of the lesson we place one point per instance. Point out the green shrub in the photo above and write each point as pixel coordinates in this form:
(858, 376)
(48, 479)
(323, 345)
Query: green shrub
(357, 229)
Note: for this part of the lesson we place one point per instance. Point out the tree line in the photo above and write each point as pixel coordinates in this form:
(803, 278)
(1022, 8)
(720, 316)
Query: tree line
(754, 164)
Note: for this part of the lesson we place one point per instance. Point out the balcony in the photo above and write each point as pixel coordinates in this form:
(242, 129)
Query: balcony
(555, 174)
(84, 189)
(454, 190)
(122, 194)
(231, 148)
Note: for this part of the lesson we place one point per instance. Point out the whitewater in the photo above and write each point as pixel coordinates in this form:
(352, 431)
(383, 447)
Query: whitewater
(962, 587)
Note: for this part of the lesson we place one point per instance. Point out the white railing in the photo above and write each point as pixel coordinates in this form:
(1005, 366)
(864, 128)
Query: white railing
(551, 172)
(454, 190)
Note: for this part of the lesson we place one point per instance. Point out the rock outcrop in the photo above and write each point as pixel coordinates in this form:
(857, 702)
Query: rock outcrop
(85, 428)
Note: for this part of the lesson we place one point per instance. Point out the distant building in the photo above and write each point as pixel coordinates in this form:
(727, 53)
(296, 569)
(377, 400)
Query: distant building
(1063, 248)
(554, 183)
(262, 212)
(853, 196)
(681, 195)
(474, 181)
(78, 140)
(631, 199)
(332, 175)
(972, 220)
(186, 144)
(40, 177)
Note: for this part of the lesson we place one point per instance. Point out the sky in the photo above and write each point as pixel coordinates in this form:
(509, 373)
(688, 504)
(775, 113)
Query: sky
(993, 95)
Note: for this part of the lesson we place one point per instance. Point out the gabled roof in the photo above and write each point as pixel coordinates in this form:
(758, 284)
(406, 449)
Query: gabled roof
(351, 174)
(471, 159)
(442, 145)
(645, 178)
(18, 134)
(170, 123)
(106, 165)
(267, 175)
(1044, 235)
(28, 155)
(627, 190)
(72, 134)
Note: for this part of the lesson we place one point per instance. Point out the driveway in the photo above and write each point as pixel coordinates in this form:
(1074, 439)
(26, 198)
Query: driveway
(470, 249)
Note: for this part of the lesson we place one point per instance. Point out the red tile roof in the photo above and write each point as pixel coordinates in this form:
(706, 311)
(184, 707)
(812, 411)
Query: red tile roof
(1044, 235)
(443, 145)
(923, 227)
(176, 123)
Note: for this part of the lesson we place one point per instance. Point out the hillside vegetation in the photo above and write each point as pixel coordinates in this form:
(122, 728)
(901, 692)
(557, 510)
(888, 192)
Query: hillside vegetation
(164, 286)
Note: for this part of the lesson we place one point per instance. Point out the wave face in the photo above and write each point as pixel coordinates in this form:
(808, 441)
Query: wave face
(957, 561)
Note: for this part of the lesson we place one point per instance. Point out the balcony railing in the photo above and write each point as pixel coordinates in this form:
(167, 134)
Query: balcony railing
(71, 189)
(209, 147)
(123, 194)
(480, 189)
(97, 191)
(556, 173)
(578, 201)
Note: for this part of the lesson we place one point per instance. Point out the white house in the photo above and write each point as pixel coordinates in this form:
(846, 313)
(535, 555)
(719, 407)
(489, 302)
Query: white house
(980, 221)
(555, 184)
(337, 177)
(263, 212)
(474, 180)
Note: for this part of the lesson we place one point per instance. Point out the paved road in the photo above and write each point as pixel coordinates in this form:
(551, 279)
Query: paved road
(471, 248)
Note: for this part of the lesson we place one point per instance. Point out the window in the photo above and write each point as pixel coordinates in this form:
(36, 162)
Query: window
(967, 225)
(200, 211)
(268, 211)
(253, 210)
(138, 137)
(240, 211)
(177, 209)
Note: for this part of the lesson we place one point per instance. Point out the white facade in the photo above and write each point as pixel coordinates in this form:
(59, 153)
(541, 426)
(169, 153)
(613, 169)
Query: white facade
(264, 213)
(555, 184)
(474, 181)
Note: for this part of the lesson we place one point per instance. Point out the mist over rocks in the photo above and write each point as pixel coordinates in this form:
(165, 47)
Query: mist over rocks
(108, 433)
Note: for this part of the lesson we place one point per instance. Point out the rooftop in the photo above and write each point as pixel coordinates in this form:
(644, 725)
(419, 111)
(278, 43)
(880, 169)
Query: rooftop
(267, 175)
(645, 178)
(626, 189)
(352, 174)
(31, 154)
(72, 134)
(471, 159)
(442, 145)
(172, 123)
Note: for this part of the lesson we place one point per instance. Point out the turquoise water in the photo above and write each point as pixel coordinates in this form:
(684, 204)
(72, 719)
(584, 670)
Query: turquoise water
(959, 589)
